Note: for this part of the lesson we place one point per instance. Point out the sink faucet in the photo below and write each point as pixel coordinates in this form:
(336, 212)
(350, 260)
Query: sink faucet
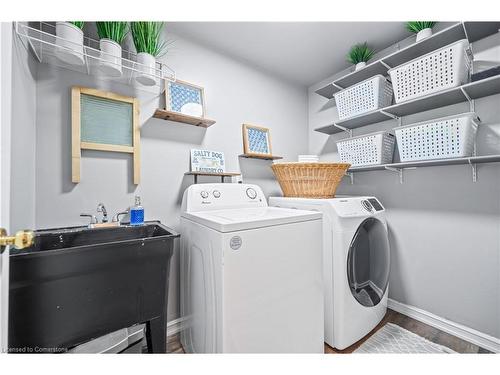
(94, 222)
(102, 209)
(116, 218)
(93, 219)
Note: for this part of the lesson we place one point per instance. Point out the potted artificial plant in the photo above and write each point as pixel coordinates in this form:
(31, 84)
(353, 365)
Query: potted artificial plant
(423, 29)
(147, 40)
(111, 35)
(69, 39)
(359, 55)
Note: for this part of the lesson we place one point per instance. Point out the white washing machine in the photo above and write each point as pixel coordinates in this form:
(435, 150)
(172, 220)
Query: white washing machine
(356, 264)
(251, 275)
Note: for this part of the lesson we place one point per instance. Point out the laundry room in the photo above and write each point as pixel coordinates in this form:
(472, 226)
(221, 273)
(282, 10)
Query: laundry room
(228, 185)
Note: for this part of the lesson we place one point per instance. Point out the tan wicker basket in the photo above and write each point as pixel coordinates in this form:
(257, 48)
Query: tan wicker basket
(309, 180)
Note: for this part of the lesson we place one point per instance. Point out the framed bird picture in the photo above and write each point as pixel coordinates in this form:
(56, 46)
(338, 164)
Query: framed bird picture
(256, 141)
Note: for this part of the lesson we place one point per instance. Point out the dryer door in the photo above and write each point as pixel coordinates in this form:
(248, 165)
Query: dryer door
(368, 262)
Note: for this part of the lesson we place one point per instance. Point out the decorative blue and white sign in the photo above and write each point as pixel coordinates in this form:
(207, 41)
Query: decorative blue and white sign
(258, 140)
(207, 161)
(184, 97)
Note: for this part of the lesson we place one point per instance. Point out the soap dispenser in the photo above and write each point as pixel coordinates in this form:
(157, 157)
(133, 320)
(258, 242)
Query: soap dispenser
(137, 212)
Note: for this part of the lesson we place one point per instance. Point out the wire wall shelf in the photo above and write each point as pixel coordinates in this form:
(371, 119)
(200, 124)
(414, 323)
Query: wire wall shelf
(47, 48)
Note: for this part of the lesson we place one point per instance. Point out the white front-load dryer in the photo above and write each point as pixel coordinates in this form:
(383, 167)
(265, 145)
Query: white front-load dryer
(356, 264)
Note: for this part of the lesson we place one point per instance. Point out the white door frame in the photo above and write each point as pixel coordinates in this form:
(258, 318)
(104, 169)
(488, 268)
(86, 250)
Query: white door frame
(5, 148)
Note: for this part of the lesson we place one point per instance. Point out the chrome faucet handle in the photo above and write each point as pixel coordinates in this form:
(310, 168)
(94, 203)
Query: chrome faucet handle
(93, 219)
(101, 208)
(116, 218)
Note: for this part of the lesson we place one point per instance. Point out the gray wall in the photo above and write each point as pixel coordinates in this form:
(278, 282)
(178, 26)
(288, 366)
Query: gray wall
(235, 94)
(444, 229)
(22, 192)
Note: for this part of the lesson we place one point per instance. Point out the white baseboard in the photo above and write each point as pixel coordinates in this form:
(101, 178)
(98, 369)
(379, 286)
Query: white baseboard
(465, 333)
(176, 325)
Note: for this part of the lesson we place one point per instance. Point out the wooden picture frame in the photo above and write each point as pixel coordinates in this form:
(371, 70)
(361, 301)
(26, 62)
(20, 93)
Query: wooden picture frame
(78, 140)
(175, 105)
(256, 141)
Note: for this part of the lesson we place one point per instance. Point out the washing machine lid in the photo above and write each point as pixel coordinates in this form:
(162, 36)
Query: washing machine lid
(232, 220)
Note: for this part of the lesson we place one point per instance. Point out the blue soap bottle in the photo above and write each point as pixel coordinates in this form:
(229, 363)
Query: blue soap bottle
(137, 212)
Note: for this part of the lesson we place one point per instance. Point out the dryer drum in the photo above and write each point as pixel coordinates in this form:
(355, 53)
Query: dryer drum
(368, 262)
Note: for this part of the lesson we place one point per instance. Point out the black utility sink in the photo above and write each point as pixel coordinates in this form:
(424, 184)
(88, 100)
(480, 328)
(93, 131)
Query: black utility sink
(76, 284)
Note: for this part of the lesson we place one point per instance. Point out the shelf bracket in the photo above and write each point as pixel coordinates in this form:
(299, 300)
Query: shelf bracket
(385, 64)
(465, 30)
(351, 176)
(337, 86)
(348, 131)
(474, 170)
(469, 99)
(399, 171)
(396, 170)
(87, 64)
(391, 116)
(26, 42)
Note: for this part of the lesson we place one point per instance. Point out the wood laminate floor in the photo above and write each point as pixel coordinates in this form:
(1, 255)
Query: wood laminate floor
(424, 330)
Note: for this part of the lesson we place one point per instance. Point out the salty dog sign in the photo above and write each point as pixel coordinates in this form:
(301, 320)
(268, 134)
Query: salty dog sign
(207, 161)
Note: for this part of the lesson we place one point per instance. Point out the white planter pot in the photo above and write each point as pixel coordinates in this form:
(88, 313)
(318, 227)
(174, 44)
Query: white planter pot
(70, 43)
(425, 33)
(146, 67)
(111, 58)
(360, 65)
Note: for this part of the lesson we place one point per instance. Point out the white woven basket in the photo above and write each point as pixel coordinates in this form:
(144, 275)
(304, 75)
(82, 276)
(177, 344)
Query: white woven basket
(443, 138)
(369, 149)
(439, 70)
(366, 96)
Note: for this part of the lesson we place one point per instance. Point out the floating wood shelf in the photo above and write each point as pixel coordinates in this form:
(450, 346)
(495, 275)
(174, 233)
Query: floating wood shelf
(472, 31)
(163, 114)
(263, 157)
(474, 90)
(221, 175)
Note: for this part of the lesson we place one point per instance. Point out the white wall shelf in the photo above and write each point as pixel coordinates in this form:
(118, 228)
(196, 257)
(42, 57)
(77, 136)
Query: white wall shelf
(40, 36)
(354, 122)
(472, 31)
(400, 167)
(475, 90)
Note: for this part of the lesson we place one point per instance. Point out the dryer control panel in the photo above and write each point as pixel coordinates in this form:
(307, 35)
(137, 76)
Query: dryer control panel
(356, 206)
(207, 197)
(344, 206)
(376, 204)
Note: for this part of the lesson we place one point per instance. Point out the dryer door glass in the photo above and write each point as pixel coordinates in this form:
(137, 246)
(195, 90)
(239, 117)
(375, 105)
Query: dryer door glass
(368, 262)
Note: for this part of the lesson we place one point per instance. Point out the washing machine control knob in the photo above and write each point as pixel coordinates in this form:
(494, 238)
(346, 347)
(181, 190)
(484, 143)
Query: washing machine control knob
(216, 193)
(251, 193)
(367, 206)
(204, 194)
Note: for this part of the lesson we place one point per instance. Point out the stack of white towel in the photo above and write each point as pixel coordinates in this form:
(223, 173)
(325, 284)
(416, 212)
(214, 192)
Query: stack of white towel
(308, 158)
